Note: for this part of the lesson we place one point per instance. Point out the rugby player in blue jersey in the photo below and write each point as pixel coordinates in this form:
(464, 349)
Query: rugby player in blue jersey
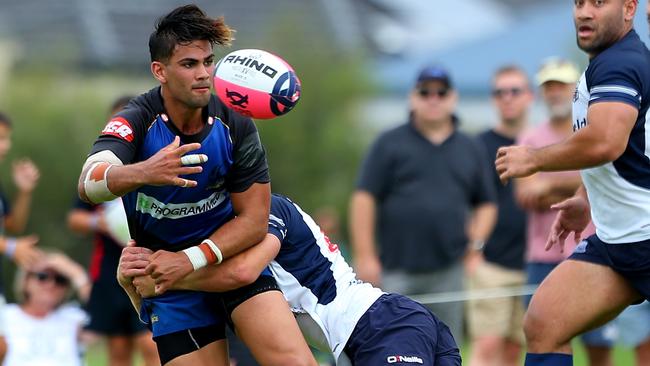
(194, 180)
(611, 269)
(338, 313)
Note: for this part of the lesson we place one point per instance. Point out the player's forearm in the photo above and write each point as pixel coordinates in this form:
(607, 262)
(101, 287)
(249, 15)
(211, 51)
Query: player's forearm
(573, 154)
(17, 220)
(249, 226)
(603, 140)
(123, 179)
(240, 270)
(362, 224)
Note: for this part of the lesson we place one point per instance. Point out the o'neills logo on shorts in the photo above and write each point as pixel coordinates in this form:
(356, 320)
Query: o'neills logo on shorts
(159, 210)
(404, 359)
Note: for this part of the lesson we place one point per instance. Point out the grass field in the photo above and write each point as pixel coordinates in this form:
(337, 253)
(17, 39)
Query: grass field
(622, 356)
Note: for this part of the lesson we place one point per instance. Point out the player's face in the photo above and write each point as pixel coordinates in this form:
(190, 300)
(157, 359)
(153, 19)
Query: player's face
(5, 140)
(188, 74)
(600, 23)
(558, 98)
(511, 96)
(433, 101)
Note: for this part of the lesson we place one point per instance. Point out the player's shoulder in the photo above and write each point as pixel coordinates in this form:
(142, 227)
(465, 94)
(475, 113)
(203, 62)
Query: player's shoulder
(281, 206)
(627, 56)
(143, 108)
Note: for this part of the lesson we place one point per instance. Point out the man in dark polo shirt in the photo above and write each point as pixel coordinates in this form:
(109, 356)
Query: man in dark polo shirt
(424, 191)
(496, 325)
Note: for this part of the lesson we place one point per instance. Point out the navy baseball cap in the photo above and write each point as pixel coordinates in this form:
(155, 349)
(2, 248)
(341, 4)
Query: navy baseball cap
(434, 73)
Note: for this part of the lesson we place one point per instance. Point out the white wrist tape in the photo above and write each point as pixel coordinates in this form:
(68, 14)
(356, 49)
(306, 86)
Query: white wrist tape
(196, 256)
(215, 249)
(96, 185)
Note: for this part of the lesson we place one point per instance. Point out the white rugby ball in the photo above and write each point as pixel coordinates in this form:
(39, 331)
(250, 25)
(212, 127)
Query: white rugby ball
(256, 83)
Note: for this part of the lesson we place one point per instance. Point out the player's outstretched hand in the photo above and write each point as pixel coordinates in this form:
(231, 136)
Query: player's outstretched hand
(27, 254)
(26, 175)
(573, 217)
(514, 162)
(168, 267)
(167, 165)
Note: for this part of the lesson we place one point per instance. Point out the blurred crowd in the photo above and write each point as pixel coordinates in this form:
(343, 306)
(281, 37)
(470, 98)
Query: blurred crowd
(430, 214)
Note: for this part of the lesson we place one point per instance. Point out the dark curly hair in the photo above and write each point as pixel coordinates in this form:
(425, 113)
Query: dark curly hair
(184, 25)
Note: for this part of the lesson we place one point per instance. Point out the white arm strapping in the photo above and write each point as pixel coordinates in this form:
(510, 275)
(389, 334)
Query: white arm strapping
(95, 183)
(102, 156)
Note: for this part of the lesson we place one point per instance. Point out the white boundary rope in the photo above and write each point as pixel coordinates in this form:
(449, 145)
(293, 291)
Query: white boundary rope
(488, 293)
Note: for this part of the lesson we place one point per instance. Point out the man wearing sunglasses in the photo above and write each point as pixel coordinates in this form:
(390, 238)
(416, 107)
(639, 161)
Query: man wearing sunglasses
(495, 325)
(419, 185)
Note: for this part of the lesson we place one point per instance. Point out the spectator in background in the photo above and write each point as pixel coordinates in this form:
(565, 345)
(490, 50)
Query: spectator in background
(41, 329)
(557, 81)
(424, 187)
(13, 218)
(110, 310)
(496, 325)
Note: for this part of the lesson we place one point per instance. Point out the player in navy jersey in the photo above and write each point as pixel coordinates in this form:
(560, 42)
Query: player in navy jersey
(338, 313)
(611, 269)
(200, 207)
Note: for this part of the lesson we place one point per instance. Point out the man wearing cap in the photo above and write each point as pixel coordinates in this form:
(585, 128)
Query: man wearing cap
(495, 325)
(557, 81)
(424, 190)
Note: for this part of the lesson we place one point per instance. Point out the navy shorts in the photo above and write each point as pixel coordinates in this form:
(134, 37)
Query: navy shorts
(630, 260)
(111, 312)
(398, 330)
(176, 311)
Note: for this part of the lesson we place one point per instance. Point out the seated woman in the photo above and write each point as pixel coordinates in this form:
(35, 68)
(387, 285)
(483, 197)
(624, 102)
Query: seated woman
(42, 329)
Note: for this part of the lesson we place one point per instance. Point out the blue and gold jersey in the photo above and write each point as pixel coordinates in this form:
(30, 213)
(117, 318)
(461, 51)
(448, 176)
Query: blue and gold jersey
(174, 218)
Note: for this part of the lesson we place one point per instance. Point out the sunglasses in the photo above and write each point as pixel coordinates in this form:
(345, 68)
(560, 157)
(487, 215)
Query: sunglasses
(515, 92)
(426, 93)
(46, 276)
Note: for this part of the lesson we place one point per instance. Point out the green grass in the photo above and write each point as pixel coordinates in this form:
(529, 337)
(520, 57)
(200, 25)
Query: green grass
(622, 356)
(96, 355)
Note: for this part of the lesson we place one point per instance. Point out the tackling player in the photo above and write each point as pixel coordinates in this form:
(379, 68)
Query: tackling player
(206, 206)
(337, 312)
(611, 269)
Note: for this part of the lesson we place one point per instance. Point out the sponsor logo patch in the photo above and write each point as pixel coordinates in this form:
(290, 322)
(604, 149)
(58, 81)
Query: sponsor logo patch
(581, 247)
(119, 127)
(159, 210)
(404, 359)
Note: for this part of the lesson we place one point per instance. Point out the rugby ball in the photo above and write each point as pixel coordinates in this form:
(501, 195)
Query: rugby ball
(256, 83)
